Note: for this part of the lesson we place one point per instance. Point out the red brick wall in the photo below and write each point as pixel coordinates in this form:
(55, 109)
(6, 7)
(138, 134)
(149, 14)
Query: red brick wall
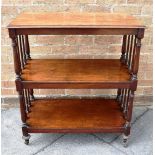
(78, 46)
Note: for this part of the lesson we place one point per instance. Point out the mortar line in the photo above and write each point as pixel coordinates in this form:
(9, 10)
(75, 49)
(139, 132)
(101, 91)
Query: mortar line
(43, 148)
(132, 125)
(137, 118)
(102, 140)
(110, 143)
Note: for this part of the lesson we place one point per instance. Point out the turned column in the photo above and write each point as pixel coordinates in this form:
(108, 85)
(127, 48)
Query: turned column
(18, 81)
(135, 64)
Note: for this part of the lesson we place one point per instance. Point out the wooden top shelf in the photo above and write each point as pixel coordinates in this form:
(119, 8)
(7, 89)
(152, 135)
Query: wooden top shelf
(74, 20)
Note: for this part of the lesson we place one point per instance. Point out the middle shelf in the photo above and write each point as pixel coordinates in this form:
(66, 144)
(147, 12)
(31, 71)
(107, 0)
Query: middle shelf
(75, 73)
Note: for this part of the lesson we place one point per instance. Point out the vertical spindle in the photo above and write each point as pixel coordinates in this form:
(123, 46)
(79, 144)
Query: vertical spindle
(23, 47)
(27, 47)
(123, 49)
(127, 50)
(130, 51)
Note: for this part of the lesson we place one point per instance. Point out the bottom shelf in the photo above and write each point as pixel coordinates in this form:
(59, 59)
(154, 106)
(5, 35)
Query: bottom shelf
(81, 115)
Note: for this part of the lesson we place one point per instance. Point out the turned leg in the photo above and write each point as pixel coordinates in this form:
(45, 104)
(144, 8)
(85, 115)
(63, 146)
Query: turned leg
(125, 140)
(24, 109)
(127, 126)
(25, 136)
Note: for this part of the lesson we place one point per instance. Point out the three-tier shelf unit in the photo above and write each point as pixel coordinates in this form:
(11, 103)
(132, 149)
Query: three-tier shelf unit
(76, 115)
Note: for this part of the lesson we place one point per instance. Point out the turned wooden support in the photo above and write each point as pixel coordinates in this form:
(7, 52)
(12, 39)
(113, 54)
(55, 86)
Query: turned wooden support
(135, 64)
(22, 106)
(129, 113)
(16, 56)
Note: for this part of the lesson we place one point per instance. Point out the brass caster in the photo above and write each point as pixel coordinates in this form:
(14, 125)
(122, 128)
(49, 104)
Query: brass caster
(26, 138)
(26, 142)
(125, 140)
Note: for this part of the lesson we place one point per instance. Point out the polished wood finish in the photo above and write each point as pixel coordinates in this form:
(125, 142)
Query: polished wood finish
(74, 20)
(75, 71)
(76, 115)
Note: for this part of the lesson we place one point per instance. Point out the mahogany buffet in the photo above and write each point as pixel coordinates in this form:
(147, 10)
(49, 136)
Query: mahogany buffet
(76, 115)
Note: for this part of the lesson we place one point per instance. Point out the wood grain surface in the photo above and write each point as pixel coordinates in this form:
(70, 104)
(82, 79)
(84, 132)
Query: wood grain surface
(75, 70)
(74, 20)
(75, 114)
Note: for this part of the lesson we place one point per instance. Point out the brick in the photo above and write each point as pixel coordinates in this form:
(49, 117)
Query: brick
(103, 92)
(8, 84)
(147, 10)
(143, 100)
(149, 75)
(73, 7)
(5, 40)
(79, 1)
(47, 2)
(145, 66)
(8, 92)
(148, 91)
(44, 8)
(16, 2)
(141, 74)
(5, 59)
(7, 50)
(7, 76)
(146, 20)
(108, 56)
(80, 56)
(7, 68)
(133, 10)
(49, 40)
(111, 2)
(146, 58)
(93, 50)
(4, 33)
(145, 82)
(95, 8)
(140, 2)
(9, 10)
(51, 92)
(32, 39)
(64, 50)
(115, 49)
(36, 91)
(139, 91)
(79, 40)
(146, 49)
(78, 92)
(44, 50)
(105, 40)
(148, 40)
(47, 56)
